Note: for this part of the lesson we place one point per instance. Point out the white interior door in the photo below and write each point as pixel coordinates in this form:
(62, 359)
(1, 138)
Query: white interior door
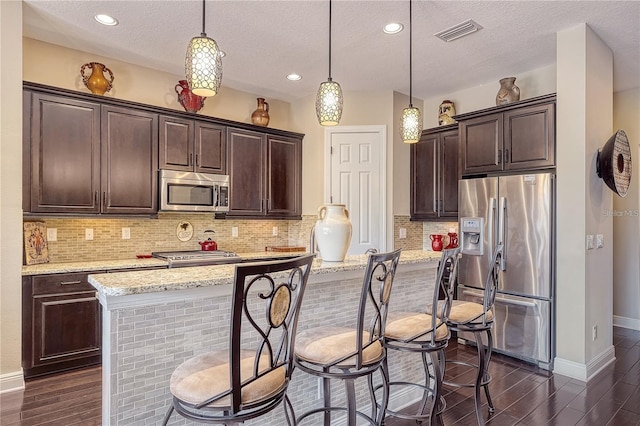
(356, 160)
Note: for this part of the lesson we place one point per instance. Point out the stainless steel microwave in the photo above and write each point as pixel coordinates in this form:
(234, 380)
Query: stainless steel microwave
(193, 192)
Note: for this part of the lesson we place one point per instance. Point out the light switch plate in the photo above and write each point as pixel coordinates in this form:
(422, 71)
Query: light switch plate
(403, 233)
(52, 234)
(88, 234)
(589, 242)
(274, 231)
(599, 240)
(126, 233)
(234, 231)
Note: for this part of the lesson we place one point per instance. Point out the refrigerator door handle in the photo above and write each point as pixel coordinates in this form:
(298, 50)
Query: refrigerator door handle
(502, 232)
(503, 300)
(491, 229)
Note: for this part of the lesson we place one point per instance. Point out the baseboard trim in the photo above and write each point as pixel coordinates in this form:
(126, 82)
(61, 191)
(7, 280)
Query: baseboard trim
(584, 372)
(10, 382)
(624, 322)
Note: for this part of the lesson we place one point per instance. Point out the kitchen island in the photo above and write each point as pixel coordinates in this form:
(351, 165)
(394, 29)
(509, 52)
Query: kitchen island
(154, 320)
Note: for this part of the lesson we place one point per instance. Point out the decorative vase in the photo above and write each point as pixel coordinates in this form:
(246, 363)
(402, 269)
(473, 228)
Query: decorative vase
(333, 232)
(508, 92)
(97, 82)
(436, 242)
(189, 100)
(446, 112)
(260, 116)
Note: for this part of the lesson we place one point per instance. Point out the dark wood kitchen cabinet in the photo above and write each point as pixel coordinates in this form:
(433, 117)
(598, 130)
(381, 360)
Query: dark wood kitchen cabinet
(518, 136)
(192, 145)
(129, 141)
(266, 174)
(87, 158)
(64, 143)
(435, 170)
(61, 323)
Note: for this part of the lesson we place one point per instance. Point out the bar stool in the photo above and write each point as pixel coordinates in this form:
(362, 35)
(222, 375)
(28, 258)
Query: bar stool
(350, 353)
(427, 335)
(477, 319)
(250, 378)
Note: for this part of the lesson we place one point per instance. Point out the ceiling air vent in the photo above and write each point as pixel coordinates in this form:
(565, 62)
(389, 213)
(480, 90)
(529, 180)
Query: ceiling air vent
(460, 30)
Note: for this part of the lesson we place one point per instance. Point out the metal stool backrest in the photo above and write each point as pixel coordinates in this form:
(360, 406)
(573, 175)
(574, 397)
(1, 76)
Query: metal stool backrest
(374, 300)
(266, 302)
(446, 278)
(491, 283)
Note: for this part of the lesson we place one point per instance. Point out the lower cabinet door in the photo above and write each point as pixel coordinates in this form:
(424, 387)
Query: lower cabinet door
(66, 329)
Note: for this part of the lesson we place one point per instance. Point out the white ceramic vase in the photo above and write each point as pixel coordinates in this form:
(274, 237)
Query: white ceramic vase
(333, 232)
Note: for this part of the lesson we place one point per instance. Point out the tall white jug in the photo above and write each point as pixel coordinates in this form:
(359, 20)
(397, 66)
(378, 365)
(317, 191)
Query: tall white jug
(333, 232)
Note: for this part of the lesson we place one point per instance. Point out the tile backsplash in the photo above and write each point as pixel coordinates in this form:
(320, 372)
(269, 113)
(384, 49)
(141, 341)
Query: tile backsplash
(149, 235)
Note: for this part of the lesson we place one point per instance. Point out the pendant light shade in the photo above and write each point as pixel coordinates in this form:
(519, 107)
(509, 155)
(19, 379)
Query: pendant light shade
(203, 64)
(329, 98)
(411, 126)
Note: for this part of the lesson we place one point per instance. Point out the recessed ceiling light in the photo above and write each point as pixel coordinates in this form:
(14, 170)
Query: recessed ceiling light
(393, 28)
(106, 20)
(294, 77)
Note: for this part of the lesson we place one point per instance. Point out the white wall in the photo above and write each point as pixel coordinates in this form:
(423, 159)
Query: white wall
(583, 121)
(10, 194)
(626, 226)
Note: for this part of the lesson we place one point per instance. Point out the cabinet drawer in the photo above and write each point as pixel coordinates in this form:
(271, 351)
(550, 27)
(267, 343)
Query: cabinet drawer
(61, 283)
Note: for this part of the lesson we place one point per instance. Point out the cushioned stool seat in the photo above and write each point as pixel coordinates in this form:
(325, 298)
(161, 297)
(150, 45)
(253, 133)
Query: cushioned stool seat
(205, 375)
(330, 345)
(412, 325)
(463, 312)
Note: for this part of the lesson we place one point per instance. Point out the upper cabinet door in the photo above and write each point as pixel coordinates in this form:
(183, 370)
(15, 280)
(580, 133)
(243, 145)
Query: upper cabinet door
(129, 161)
(424, 177)
(210, 148)
(247, 154)
(529, 137)
(450, 173)
(65, 155)
(481, 140)
(176, 143)
(284, 172)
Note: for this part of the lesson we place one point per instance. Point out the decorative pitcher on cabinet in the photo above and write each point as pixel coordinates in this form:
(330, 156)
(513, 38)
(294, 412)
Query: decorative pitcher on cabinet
(96, 81)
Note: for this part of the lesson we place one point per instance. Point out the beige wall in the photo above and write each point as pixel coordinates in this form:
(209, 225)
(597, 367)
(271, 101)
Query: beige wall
(584, 120)
(10, 195)
(626, 226)
(58, 66)
(538, 82)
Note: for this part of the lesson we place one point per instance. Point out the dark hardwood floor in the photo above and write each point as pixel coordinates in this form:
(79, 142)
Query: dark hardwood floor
(522, 394)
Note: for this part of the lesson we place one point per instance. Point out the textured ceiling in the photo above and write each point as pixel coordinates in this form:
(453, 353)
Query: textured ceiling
(266, 40)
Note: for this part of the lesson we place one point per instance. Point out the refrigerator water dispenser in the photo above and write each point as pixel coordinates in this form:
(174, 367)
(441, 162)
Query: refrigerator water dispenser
(472, 235)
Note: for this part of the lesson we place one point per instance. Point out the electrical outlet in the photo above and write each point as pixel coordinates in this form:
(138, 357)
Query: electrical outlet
(234, 231)
(126, 233)
(52, 234)
(589, 242)
(88, 234)
(403, 233)
(599, 241)
(594, 333)
(274, 231)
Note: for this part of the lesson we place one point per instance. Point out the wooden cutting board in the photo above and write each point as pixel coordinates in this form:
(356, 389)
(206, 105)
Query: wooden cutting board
(284, 248)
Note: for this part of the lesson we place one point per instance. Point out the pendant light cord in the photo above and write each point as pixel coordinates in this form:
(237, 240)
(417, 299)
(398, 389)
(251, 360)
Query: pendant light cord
(329, 40)
(410, 59)
(203, 32)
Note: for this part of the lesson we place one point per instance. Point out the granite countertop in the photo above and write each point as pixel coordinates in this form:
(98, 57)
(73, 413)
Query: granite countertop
(109, 265)
(158, 280)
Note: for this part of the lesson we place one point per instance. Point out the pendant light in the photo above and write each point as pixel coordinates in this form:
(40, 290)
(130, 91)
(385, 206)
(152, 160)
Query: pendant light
(329, 97)
(203, 64)
(411, 126)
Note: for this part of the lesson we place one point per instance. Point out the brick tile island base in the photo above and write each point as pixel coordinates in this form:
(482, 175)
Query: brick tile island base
(155, 320)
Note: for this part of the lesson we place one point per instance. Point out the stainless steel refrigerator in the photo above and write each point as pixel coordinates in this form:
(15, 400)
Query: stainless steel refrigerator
(519, 211)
